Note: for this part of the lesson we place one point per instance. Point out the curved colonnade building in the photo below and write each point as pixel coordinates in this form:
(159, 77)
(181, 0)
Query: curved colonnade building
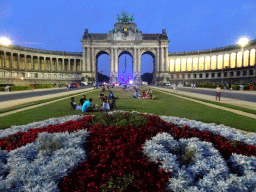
(24, 66)
(231, 64)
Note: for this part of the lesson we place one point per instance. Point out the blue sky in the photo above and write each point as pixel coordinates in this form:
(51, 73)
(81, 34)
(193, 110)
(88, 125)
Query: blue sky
(190, 25)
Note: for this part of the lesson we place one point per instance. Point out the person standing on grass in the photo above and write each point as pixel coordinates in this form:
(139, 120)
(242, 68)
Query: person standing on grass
(67, 88)
(87, 106)
(218, 92)
(251, 87)
(94, 85)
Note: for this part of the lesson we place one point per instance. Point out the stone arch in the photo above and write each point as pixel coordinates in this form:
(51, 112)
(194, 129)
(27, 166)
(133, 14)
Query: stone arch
(98, 53)
(129, 52)
(152, 53)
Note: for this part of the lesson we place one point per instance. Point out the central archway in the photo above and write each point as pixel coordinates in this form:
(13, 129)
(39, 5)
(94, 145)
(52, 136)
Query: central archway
(125, 73)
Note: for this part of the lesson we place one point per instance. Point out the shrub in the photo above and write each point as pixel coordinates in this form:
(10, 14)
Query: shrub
(246, 87)
(119, 119)
(17, 88)
(235, 87)
(42, 86)
(2, 89)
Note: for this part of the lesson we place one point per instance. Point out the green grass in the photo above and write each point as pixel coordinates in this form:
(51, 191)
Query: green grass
(35, 103)
(165, 104)
(218, 103)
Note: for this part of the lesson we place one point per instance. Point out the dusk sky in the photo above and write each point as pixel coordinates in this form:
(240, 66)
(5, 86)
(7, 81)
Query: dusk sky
(190, 25)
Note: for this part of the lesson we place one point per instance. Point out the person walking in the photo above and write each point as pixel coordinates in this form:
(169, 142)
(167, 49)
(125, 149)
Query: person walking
(67, 88)
(218, 92)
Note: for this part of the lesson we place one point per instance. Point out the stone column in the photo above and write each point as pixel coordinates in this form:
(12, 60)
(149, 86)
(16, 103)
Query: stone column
(112, 60)
(45, 64)
(75, 64)
(63, 67)
(229, 60)
(249, 56)
(217, 59)
(223, 61)
(18, 63)
(51, 65)
(81, 64)
(11, 60)
(139, 62)
(68, 64)
(88, 59)
(167, 64)
(162, 59)
(25, 60)
(192, 64)
(242, 58)
(198, 63)
(204, 64)
(32, 62)
(116, 61)
(93, 62)
(57, 64)
(235, 59)
(210, 63)
(38, 62)
(158, 61)
(4, 58)
(186, 64)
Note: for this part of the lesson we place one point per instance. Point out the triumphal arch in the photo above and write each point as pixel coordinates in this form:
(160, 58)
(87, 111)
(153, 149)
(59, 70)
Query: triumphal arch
(125, 38)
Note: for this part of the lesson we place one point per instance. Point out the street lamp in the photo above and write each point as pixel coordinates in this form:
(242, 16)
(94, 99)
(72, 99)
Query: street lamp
(5, 41)
(242, 42)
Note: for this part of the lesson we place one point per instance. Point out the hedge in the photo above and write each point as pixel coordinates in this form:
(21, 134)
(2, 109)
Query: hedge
(17, 88)
(41, 86)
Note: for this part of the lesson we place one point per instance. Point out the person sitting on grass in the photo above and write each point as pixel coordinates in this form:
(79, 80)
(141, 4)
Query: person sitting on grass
(144, 94)
(74, 106)
(102, 95)
(111, 96)
(105, 105)
(82, 100)
(87, 106)
(149, 93)
(136, 94)
(113, 104)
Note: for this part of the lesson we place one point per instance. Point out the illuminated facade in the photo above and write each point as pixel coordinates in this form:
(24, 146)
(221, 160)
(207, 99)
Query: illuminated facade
(231, 64)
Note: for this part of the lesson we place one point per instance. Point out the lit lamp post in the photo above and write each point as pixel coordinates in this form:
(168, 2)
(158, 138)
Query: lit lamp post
(242, 42)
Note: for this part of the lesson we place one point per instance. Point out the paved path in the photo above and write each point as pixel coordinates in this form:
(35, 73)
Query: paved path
(209, 104)
(239, 95)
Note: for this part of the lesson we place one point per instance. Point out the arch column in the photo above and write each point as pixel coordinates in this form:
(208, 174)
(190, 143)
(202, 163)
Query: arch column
(158, 61)
(139, 63)
(167, 64)
(116, 61)
(93, 62)
(88, 59)
(162, 59)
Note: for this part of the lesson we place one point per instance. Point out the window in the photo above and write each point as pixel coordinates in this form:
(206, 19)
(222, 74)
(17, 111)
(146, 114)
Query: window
(225, 74)
(200, 75)
(36, 75)
(244, 73)
(195, 76)
(238, 73)
(213, 74)
(183, 76)
(219, 74)
(189, 76)
(231, 74)
(207, 75)
(251, 72)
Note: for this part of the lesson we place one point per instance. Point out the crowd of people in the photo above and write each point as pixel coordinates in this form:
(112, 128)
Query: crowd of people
(108, 102)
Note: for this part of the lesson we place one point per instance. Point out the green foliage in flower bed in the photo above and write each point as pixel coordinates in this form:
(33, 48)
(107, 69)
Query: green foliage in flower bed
(118, 119)
(120, 183)
(50, 144)
(2, 89)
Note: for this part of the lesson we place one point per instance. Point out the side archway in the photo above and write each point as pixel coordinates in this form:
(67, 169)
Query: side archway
(148, 59)
(102, 71)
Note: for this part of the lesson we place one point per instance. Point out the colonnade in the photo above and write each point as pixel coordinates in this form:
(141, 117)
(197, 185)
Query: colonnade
(203, 62)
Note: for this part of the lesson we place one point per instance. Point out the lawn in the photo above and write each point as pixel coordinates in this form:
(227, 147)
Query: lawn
(164, 104)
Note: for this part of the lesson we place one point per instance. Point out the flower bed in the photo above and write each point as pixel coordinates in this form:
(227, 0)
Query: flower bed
(72, 154)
